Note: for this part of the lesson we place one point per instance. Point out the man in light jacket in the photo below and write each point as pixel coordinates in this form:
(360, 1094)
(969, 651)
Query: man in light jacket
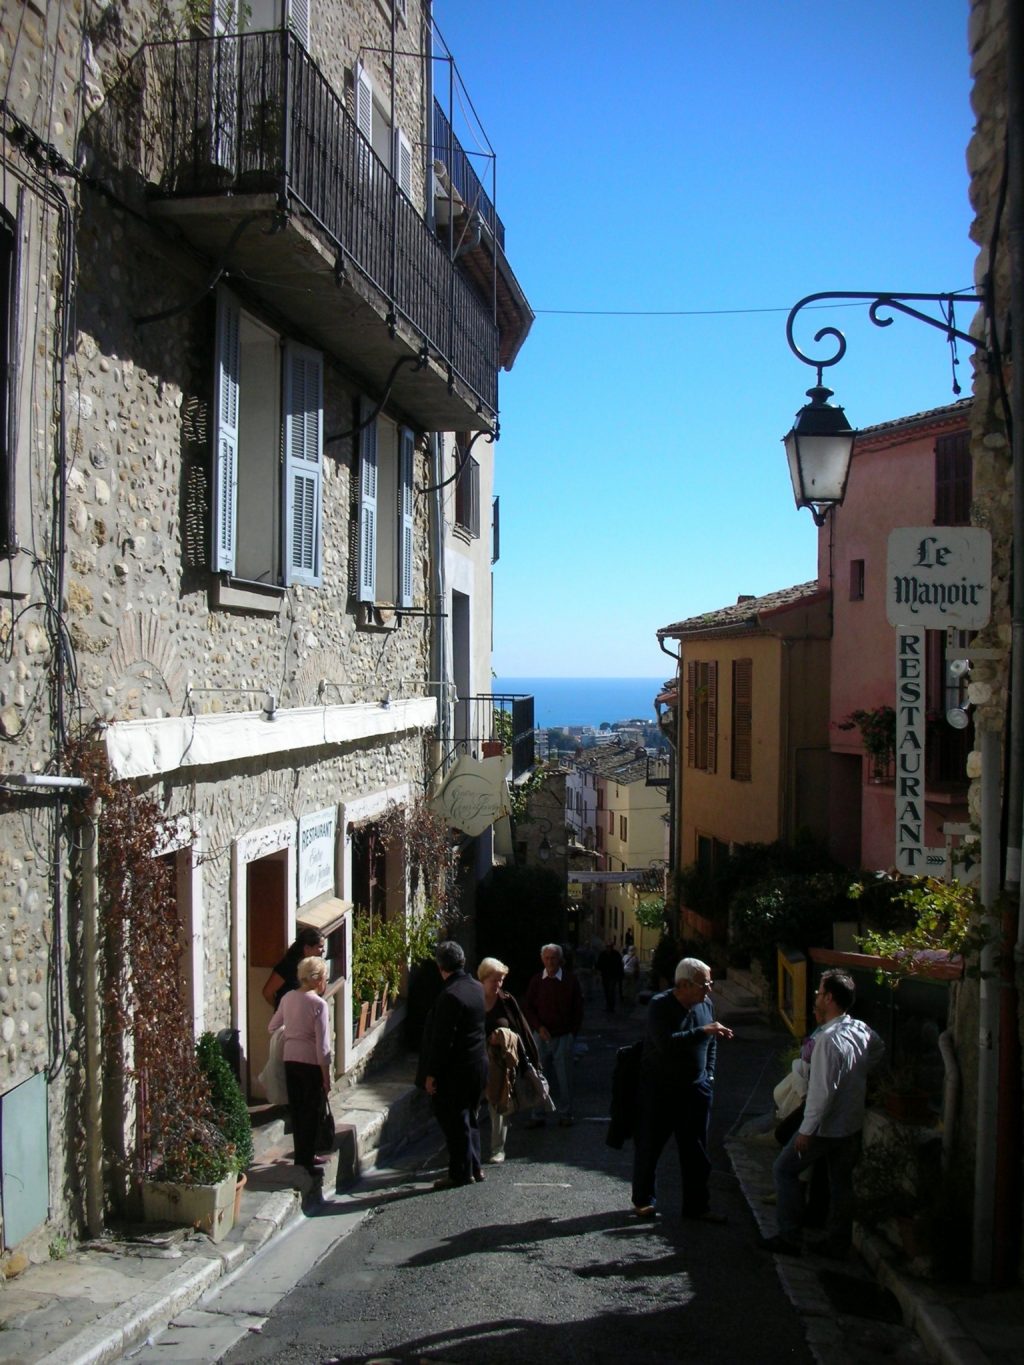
(845, 1051)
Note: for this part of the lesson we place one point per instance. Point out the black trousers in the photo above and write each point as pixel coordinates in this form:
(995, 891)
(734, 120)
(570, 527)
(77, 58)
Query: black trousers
(456, 1109)
(686, 1118)
(305, 1084)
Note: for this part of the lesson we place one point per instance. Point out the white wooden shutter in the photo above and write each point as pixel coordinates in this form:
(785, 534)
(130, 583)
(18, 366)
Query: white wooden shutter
(298, 20)
(223, 17)
(406, 465)
(364, 103)
(403, 162)
(227, 395)
(367, 504)
(303, 462)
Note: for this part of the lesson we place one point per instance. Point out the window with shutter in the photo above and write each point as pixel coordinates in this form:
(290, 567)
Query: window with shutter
(303, 446)
(467, 497)
(226, 403)
(406, 507)
(267, 510)
(953, 476)
(367, 504)
(364, 102)
(403, 162)
(702, 715)
(386, 483)
(742, 718)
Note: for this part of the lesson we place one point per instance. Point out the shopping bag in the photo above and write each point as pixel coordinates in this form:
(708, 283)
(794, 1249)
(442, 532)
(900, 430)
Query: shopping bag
(272, 1076)
(531, 1089)
(325, 1128)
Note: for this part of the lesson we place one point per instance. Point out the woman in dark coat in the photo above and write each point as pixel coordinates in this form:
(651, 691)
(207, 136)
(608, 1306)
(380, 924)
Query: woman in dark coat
(284, 977)
(502, 1012)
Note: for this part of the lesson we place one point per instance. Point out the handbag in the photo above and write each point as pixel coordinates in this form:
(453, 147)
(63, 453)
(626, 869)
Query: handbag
(272, 1076)
(325, 1128)
(531, 1089)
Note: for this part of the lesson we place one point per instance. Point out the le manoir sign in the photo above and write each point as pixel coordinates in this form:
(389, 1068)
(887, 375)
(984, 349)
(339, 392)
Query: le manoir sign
(937, 578)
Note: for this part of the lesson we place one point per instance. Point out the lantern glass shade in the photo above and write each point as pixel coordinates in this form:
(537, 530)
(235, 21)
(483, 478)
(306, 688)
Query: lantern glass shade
(819, 448)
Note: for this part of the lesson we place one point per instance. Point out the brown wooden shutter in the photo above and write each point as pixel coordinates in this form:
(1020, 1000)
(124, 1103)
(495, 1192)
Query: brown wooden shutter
(712, 763)
(953, 479)
(691, 714)
(742, 718)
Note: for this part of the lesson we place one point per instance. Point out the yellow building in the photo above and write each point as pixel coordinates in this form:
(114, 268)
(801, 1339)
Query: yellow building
(752, 732)
(630, 835)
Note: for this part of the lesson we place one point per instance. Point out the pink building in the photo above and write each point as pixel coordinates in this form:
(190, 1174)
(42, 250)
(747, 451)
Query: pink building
(915, 471)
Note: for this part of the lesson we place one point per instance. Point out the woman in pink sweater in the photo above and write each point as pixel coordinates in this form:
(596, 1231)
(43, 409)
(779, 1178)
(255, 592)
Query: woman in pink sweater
(307, 1058)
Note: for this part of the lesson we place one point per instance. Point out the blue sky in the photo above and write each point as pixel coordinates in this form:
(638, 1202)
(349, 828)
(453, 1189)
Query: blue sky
(699, 155)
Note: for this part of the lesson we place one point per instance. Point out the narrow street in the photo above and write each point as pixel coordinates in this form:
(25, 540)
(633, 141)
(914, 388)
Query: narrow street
(542, 1261)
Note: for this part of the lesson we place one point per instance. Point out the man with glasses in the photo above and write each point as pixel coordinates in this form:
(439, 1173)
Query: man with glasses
(845, 1050)
(677, 1076)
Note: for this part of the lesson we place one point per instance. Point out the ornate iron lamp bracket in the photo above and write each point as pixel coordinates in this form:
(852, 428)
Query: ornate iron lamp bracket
(880, 302)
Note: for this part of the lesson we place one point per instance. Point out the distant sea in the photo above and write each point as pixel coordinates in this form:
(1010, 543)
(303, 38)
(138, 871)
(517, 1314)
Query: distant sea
(559, 702)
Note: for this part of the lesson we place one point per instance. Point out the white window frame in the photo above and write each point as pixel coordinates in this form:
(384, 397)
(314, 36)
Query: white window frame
(301, 488)
(371, 511)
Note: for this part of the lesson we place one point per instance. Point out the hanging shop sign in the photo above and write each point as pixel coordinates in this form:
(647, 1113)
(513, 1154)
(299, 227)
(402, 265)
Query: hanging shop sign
(317, 836)
(938, 577)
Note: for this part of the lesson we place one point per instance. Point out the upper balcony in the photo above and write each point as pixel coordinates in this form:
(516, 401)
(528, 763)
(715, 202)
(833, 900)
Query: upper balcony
(242, 143)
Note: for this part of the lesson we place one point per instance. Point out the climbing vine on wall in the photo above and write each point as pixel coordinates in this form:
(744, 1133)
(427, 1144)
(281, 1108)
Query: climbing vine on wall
(146, 1017)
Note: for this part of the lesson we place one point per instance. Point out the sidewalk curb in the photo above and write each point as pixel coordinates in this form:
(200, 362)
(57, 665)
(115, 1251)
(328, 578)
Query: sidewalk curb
(939, 1329)
(127, 1326)
(118, 1331)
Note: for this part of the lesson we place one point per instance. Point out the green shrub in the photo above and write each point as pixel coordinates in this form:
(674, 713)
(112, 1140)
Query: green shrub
(231, 1114)
(794, 911)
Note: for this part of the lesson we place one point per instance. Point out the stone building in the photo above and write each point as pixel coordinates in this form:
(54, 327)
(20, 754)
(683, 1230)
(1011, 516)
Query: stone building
(256, 300)
(989, 1033)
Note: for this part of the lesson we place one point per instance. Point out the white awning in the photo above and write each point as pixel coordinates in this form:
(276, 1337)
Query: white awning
(324, 915)
(143, 748)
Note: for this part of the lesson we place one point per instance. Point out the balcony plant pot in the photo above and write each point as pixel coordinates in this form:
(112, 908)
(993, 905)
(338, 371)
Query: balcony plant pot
(362, 1023)
(492, 748)
(208, 1208)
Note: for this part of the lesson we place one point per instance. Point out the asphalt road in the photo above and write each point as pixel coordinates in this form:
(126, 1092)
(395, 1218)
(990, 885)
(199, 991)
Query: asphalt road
(544, 1261)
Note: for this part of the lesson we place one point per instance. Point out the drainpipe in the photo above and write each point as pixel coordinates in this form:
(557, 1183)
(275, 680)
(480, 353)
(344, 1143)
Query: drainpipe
(676, 749)
(92, 975)
(988, 1014)
(950, 1093)
(440, 656)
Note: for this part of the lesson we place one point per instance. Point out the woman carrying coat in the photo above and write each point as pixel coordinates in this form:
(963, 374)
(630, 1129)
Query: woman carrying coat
(504, 1053)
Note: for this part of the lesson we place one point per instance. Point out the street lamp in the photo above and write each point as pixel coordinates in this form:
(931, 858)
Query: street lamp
(819, 446)
(544, 851)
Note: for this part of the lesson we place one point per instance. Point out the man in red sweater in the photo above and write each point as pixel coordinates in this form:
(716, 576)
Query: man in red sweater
(554, 1010)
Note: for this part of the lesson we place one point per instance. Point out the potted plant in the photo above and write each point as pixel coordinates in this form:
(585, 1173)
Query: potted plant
(229, 1106)
(195, 1182)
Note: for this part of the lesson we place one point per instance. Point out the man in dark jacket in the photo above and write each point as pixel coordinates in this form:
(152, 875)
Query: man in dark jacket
(677, 1076)
(554, 1010)
(453, 1064)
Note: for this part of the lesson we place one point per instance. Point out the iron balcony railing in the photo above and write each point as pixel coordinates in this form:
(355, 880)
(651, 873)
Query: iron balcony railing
(449, 149)
(252, 112)
(489, 723)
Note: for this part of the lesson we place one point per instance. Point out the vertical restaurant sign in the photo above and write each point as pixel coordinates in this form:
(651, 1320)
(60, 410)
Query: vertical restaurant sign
(910, 734)
(937, 578)
(316, 853)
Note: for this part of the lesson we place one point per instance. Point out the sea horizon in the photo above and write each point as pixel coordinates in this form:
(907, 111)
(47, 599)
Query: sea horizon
(561, 702)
